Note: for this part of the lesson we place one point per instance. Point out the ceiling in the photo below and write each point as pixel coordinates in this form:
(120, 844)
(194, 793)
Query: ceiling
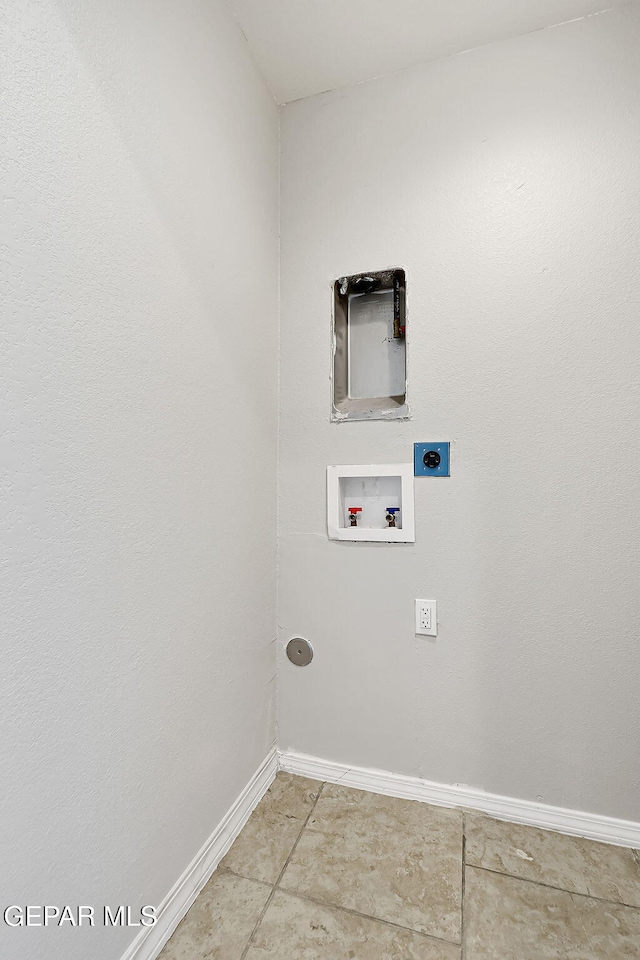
(306, 46)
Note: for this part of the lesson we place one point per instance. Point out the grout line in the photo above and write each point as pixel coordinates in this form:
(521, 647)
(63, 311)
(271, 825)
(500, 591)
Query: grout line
(366, 916)
(242, 876)
(463, 939)
(293, 848)
(280, 875)
(550, 886)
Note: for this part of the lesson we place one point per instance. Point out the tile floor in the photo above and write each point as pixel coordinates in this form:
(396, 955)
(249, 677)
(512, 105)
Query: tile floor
(323, 872)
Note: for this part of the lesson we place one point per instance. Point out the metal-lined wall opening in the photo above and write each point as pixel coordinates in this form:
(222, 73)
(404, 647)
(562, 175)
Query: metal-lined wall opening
(369, 346)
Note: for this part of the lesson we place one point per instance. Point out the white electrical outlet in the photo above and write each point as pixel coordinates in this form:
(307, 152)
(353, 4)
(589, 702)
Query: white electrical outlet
(426, 618)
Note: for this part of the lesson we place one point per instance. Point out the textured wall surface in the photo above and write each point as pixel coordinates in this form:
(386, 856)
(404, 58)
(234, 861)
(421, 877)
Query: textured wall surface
(138, 388)
(506, 181)
(335, 44)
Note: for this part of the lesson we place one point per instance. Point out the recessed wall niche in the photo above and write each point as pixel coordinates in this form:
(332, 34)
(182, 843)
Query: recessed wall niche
(371, 502)
(369, 347)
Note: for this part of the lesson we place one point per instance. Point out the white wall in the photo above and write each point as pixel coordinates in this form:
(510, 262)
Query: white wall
(506, 181)
(138, 386)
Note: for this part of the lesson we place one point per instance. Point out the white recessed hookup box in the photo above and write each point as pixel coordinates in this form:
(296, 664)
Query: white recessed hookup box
(371, 502)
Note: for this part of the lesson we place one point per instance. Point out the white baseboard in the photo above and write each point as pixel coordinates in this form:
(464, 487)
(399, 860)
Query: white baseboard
(150, 941)
(623, 833)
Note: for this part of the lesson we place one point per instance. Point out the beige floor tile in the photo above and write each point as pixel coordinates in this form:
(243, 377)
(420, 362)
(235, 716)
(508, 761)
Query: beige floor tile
(298, 929)
(397, 860)
(220, 922)
(510, 919)
(261, 850)
(581, 866)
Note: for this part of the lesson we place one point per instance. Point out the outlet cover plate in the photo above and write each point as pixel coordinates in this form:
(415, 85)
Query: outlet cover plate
(420, 469)
(426, 618)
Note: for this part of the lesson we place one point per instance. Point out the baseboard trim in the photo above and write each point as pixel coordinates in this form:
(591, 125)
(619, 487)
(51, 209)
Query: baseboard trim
(150, 941)
(623, 833)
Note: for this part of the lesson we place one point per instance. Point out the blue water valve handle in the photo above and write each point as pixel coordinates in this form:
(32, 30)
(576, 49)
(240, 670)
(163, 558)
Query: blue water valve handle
(391, 515)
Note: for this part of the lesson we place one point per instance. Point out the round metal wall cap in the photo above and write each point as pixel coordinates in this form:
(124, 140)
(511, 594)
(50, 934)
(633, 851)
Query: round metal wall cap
(300, 651)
